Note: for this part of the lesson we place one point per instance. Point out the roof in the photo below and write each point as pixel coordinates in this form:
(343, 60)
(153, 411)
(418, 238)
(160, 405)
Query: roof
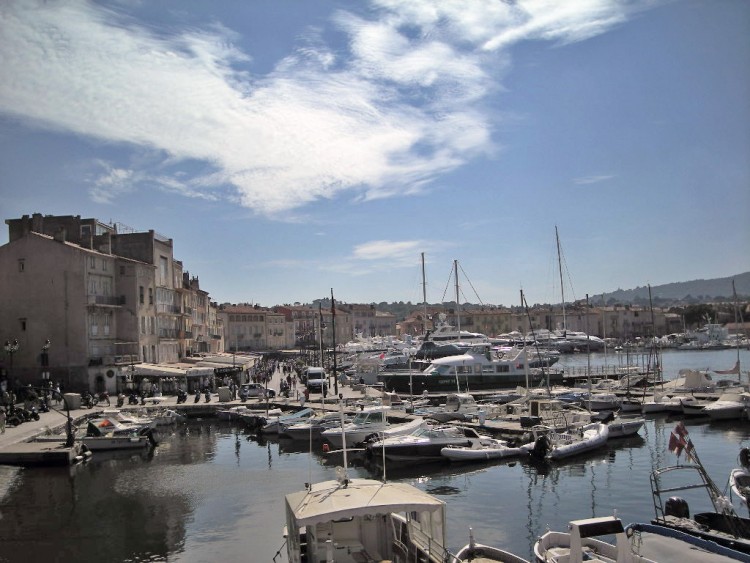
(330, 500)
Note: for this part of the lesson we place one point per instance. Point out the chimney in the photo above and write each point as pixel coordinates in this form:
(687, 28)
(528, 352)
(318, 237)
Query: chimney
(61, 234)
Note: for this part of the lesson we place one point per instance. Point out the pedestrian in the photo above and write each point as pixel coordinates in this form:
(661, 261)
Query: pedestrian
(2, 420)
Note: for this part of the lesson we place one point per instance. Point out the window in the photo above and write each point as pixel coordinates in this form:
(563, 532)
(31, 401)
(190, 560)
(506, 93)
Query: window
(140, 294)
(21, 265)
(22, 322)
(104, 265)
(92, 262)
(150, 295)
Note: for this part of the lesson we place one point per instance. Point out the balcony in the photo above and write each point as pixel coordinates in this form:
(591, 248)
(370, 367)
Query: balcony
(169, 333)
(110, 300)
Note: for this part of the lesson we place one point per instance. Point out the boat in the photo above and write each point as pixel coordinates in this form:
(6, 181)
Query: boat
(729, 406)
(661, 403)
(352, 520)
(601, 401)
(721, 525)
(694, 407)
(554, 445)
(312, 427)
(484, 449)
(116, 438)
(235, 413)
(480, 553)
(168, 417)
(423, 445)
(458, 406)
(636, 543)
(479, 367)
(739, 478)
(624, 426)
(275, 424)
(369, 421)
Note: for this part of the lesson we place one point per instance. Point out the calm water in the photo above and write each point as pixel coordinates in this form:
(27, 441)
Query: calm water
(211, 493)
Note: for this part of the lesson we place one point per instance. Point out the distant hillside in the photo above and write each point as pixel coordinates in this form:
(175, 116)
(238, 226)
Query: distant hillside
(695, 291)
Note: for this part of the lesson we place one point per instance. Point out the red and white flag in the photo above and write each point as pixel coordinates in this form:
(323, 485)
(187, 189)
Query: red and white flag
(679, 441)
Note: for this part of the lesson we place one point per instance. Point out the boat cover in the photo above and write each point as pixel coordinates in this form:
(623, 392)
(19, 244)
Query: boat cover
(330, 500)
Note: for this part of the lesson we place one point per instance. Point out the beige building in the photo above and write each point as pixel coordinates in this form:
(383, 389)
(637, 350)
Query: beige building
(105, 299)
(254, 328)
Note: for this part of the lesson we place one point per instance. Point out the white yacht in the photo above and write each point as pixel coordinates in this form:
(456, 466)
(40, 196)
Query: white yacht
(368, 422)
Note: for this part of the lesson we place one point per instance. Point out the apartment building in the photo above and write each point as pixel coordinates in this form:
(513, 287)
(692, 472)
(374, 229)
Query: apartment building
(254, 328)
(104, 297)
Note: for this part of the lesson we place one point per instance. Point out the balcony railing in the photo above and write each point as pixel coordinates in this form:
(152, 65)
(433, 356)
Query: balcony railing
(168, 333)
(106, 300)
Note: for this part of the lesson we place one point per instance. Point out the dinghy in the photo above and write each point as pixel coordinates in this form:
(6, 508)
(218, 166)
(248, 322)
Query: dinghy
(481, 450)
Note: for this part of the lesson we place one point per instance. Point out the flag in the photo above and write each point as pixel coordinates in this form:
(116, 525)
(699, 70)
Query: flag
(679, 441)
(735, 370)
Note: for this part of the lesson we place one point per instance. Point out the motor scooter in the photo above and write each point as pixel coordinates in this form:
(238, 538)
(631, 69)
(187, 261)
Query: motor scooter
(181, 396)
(88, 400)
(104, 396)
(197, 396)
(208, 395)
(133, 399)
(120, 400)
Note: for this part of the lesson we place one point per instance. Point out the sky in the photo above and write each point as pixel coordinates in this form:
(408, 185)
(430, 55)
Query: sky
(291, 148)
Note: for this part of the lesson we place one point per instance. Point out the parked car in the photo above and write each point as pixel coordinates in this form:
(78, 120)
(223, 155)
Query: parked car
(318, 385)
(256, 390)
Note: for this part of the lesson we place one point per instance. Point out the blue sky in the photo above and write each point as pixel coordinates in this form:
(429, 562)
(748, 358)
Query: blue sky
(291, 147)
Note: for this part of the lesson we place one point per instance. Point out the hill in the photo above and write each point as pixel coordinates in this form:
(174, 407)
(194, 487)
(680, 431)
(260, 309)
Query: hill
(696, 291)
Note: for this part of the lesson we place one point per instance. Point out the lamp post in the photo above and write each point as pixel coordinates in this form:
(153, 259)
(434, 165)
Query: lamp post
(11, 347)
(44, 360)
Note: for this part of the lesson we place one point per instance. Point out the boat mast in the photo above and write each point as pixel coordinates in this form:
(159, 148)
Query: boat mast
(458, 304)
(562, 287)
(424, 299)
(737, 334)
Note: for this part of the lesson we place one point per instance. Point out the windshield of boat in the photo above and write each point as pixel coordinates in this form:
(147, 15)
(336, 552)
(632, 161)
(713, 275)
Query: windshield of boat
(368, 417)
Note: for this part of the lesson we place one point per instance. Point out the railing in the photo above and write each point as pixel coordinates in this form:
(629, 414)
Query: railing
(106, 300)
(169, 333)
(163, 308)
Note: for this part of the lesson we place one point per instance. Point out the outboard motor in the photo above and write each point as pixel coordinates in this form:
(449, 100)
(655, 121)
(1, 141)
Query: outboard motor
(677, 507)
(745, 458)
(541, 447)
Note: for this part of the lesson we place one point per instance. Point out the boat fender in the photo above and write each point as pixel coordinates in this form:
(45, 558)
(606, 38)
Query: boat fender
(745, 458)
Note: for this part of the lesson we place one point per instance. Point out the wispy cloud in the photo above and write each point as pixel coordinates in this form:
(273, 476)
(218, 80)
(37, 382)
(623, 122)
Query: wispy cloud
(585, 180)
(384, 118)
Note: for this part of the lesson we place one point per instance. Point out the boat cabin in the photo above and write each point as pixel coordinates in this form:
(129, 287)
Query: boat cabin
(362, 520)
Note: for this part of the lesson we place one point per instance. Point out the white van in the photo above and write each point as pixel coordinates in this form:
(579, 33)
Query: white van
(316, 379)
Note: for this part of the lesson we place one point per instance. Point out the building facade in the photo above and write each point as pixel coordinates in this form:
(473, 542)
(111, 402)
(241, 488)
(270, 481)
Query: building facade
(104, 298)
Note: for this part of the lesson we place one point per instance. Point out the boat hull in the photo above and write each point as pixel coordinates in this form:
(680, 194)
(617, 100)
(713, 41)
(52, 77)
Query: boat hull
(416, 383)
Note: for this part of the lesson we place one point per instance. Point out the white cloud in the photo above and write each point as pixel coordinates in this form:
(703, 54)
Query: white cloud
(586, 180)
(401, 107)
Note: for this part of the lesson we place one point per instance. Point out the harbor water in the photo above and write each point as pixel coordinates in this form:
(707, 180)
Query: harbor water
(213, 492)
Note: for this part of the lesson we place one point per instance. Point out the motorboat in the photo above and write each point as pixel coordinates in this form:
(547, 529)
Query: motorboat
(458, 406)
(553, 445)
(636, 543)
(661, 403)
(480, 367)
(694, 407)
(484, 449)
(369, 421)
(234, 413)
(601, 402)
(739, 478)
(124, 417)
(276, 424)
(729, 406)
(480, 553)
(721, 525)
(352, 520)
(624, 426)
(116, 437)
(422, 445)
(256, 419)
(167, 417)
(312, 427)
